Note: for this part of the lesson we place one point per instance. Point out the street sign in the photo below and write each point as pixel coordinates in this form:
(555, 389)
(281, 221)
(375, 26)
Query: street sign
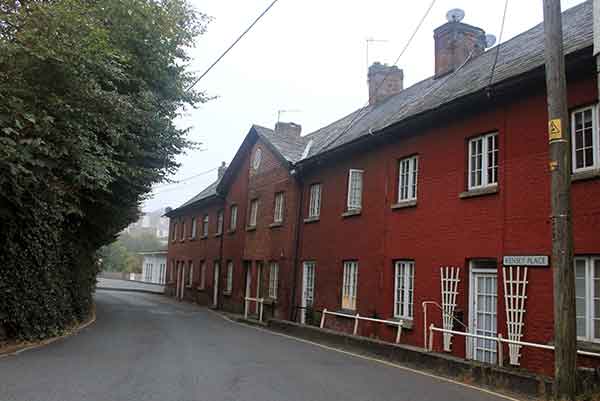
(526, 260)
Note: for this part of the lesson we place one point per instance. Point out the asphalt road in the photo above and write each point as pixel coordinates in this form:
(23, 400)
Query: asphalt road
(147, 347)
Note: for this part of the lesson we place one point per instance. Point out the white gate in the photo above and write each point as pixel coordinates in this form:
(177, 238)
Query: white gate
(483, 317)
(308, 289)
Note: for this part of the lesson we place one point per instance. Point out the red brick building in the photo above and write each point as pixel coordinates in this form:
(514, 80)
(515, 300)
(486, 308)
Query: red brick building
(436, 193)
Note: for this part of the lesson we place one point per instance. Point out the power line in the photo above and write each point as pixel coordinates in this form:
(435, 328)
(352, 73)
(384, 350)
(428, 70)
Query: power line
(183, 180)
(360, 114)
(232, 45)
(499, 42)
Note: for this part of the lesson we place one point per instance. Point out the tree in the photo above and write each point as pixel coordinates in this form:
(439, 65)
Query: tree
(88, 94)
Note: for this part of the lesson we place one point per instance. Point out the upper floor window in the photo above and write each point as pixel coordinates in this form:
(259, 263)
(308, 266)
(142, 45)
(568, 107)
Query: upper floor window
(349, 286)
(279, 203)
(220, 222)
(194, 227)
(273, 279)
(403, 289)
(483, 161)
(174, 232)
(584, 133)
(205, 225)
(314, 204)
(587, 297)
(233, 218)
(407, 179)
(355, 186)
(257, 158)
(253, 213)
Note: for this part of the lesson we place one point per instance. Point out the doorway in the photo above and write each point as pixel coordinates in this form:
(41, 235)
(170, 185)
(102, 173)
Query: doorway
(308, 289)
(483, 310)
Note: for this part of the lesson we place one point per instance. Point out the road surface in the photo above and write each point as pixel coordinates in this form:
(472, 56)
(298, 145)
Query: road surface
(148, 347)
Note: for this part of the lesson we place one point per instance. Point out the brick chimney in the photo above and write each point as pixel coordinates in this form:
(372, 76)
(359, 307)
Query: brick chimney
(379, 89)
(221, 170)
(454, 42)
(286, 129)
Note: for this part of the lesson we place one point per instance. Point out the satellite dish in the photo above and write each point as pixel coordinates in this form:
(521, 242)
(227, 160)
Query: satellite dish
(490, 40)
(455, 15)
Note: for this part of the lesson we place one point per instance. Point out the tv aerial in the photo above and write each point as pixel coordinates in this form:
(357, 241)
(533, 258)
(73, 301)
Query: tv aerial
(490, 40)
(455, 15)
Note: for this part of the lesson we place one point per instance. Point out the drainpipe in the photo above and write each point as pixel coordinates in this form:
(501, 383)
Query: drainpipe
(221, 197)
(297, 241)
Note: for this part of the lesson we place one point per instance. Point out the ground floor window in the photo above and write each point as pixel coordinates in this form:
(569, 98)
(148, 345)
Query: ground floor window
(161, 273)
(403, 289)
(148, 272)
(202, 275)
(273, 278)
(350, 284)
(587, 295)
(190, 273)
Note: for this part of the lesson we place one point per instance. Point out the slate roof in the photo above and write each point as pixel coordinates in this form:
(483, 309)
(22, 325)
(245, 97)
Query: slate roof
(516, 56)
(523, 53)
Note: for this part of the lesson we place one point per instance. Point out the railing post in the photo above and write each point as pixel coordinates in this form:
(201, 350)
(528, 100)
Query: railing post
(500, 351)
(399, 332)
(356, 324)
(260, 314)
(323, 317)
(245, 307)
(431, 337)
(424, 325)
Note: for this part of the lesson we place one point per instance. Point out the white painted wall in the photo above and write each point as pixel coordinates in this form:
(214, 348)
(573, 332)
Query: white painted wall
(154, 268)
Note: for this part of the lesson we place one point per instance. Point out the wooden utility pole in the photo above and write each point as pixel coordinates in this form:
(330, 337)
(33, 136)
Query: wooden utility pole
(565, 337)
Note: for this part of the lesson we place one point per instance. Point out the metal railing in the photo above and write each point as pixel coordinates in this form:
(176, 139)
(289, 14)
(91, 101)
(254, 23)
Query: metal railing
(259, 301)
(357, 318)
(499, 341)
(424, 305)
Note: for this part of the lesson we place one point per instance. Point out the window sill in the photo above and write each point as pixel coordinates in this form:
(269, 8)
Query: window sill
(313, 219)
(489, 190)
(227, 294)
(218, 234)
(270, 301)
(349, 312)
(406, 322)
(192, 239)
(231, 232)
(251, 228)
(200, 289)
(204, 237)
(350, 213)
(585, 175)
(404, 204)
(188, 286)
(276, 224)
(588, 346)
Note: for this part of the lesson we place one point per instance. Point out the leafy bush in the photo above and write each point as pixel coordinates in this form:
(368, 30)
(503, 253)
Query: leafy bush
(88, 94)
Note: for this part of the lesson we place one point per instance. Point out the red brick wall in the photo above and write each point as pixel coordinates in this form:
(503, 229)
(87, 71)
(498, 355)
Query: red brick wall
(444, 230)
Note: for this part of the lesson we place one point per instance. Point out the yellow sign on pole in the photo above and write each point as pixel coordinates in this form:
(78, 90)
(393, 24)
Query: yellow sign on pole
(555, 129)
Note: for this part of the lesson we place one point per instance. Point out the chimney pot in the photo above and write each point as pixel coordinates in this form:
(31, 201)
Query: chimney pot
(221, 170)
(454, 43)
(290, 128)
(384, 81)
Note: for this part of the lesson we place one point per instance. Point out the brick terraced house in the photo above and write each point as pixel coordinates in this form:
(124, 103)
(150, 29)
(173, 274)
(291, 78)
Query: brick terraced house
(436, 195)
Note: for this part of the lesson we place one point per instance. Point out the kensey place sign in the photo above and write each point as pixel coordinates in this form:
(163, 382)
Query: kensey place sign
(528, 260)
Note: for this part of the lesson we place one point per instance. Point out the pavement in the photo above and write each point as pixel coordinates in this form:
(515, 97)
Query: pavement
(149, 347)
(127, 285)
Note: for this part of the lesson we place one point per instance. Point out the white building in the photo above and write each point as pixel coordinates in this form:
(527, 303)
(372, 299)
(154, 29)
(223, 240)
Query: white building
(154, 267)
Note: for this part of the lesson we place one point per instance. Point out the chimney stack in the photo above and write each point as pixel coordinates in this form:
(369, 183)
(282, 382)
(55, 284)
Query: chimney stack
(285, 129)
(221, 170)
(454, 42)
(379, 89)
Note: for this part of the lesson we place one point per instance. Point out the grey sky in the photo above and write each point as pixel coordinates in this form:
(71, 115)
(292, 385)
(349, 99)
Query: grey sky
(309, 56)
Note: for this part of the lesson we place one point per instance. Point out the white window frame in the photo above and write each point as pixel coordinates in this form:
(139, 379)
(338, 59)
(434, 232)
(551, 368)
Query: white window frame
(182, 230)
(404, 285)
(229, 279)
(194, 227)
(350, 285)
(190, 273)
(174, 233)
(220, 221)
(485, 153)
(355, 203)
(590, 314)
(279, 207)
(233, 218)
(408, 173)
(273, 279)
(202, 285)
(253, 213)
(257, 158)
(595, 140)
(205, 224)
(314, 204)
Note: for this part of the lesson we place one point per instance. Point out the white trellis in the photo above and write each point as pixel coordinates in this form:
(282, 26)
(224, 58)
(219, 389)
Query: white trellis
(515, 288)
(449, 280)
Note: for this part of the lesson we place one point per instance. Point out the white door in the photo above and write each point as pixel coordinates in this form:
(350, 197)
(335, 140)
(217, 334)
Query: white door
(308, 289)
(180, 282)
(483, 316)
(248, 280)
(215, 284)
